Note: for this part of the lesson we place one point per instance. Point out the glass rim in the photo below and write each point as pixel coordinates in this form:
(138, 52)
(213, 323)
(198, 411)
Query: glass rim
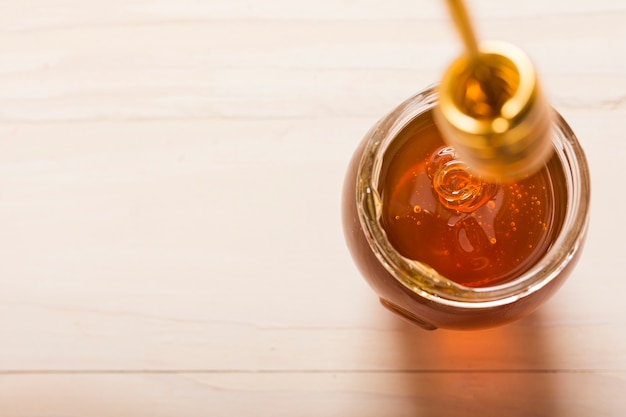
(425, 281)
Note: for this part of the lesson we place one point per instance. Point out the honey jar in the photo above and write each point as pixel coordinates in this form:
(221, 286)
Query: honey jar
(446, 248)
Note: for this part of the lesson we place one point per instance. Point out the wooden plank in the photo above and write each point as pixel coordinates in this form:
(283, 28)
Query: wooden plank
(266, 68)
(111, 340)
(314, 394)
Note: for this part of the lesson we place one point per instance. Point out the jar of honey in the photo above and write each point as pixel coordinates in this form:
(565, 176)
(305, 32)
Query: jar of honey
(444, 248)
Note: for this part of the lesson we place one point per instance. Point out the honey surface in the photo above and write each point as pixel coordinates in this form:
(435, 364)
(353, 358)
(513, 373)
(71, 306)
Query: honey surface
(474, 233)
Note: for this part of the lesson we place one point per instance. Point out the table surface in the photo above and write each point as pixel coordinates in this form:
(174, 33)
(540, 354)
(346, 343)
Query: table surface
(170, 212)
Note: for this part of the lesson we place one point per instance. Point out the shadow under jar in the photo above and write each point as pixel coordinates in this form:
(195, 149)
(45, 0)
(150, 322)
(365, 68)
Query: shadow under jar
(444, 249)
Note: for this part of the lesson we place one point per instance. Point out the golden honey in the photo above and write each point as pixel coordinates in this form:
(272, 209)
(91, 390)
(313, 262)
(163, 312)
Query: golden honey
(437, 212)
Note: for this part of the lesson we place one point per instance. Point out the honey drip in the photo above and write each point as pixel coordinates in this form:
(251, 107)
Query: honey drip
(473, 232)
(456, 187)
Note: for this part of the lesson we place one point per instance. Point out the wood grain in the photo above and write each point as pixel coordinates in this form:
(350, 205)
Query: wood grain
(170, 178)
(313, 394)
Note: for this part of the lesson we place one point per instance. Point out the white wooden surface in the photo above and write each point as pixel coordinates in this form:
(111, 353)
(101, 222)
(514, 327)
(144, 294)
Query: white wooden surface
(170, 243)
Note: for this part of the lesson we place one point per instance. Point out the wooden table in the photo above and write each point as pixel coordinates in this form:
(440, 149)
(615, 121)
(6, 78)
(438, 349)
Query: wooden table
(170, 235)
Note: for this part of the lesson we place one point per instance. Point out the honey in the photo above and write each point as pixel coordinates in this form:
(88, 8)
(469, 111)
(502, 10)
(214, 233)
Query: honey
(473, 232)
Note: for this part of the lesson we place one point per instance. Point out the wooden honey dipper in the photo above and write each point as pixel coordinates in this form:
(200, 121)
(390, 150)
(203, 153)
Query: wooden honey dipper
(491, 107)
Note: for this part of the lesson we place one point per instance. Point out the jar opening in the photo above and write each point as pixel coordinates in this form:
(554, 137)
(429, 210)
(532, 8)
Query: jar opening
(419, 277)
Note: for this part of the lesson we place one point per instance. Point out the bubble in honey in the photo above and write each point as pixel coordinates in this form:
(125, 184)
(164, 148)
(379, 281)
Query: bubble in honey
(417, 209)
(492, 240)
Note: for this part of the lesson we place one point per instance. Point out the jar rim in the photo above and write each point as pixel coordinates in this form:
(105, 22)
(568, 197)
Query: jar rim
(425, 281)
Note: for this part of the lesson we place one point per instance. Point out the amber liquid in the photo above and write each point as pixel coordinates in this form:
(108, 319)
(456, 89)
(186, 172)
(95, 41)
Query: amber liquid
(475, 233)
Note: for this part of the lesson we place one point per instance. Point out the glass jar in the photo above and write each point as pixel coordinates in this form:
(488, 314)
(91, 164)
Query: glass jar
(418, 292)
